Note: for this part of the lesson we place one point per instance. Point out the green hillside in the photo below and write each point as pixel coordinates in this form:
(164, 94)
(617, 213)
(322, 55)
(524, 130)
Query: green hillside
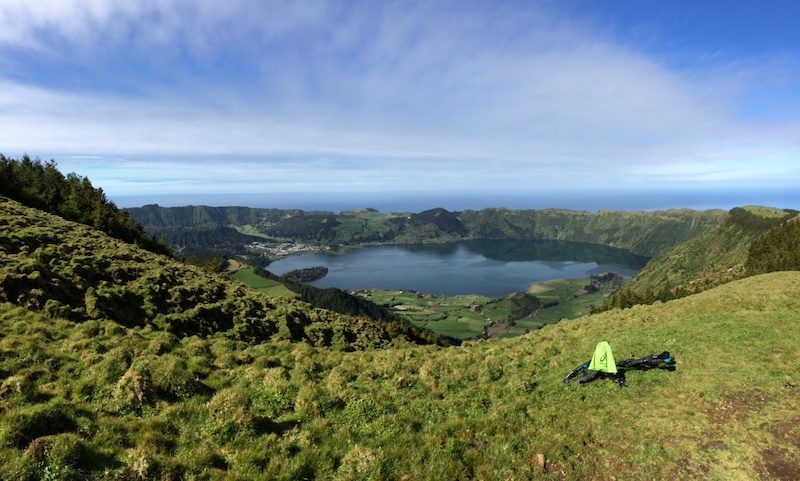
(97, 400)
(776, 250)
(117, 363)
(42, 186)
(718, 255)
(644, 233)
(72, 271)
(162, 218)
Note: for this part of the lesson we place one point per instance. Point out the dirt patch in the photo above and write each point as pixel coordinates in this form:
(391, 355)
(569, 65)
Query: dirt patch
(540, 288)
(737, 406)
(231, 266)
(780, 460)
(497, 328)
(787, 432)
(717, 444)
(688, 468)
(780, 464)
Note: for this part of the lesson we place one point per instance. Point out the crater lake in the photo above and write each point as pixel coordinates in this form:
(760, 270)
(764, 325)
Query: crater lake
(490, 267)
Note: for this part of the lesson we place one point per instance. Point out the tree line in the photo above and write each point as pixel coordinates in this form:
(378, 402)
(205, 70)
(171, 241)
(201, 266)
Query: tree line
(777, 249)
(42, 186)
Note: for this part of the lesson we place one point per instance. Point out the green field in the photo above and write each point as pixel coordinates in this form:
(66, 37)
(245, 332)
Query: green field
(450, 316)
(464, 317)
(265, 286)
(569, 306)
(251, 230)
(763, 211)
(81, 405)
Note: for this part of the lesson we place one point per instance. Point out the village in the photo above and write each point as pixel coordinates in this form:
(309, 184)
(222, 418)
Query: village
(284, 249)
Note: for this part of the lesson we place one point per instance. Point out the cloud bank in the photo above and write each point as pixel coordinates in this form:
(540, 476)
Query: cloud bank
(248, 96)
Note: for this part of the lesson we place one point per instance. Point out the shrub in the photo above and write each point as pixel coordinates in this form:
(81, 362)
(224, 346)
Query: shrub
(361, 463)
(173, 380)
(20, 388)
(140, 465)
(89, 329)
(55, 309)
(162, 342)
(113, 366)
(65, 449)
(312, 401)
(361, 411)
(134, 390)
(14, 467)
(20, 427)
(230, 414)
(273, 394)
(203, 462)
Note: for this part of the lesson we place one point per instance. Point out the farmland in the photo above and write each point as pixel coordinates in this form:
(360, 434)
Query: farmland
(471, 316)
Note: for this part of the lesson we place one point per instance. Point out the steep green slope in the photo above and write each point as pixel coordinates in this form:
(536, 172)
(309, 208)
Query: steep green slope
(714, 257)
(41, 185)
(72, 271)
(163, 218)
(205, 240)
(193, 229)
(776, 250)
(96, 400)
(644, 233)
(367, 226)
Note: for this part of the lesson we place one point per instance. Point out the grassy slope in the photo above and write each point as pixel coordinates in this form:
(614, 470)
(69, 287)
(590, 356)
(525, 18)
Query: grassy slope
(141, 403)
(72, 271)
(98, 400)
(261, 284)
(716, 255)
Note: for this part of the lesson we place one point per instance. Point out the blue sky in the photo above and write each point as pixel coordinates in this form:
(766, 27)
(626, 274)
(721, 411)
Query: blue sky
(210, 102)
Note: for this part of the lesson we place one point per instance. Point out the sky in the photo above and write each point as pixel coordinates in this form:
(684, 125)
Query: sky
(640, 104)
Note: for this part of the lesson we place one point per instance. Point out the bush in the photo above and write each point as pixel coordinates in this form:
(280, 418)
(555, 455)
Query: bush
(65, 449)
(361, 463)
(312, 401)
(20, 388)
(20, 427)
(134, 390)
(14, 467)
(230, 414)
(173, 379)
(140, 465)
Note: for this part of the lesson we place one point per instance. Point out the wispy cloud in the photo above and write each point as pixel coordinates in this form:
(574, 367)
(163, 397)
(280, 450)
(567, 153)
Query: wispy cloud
(359, 95)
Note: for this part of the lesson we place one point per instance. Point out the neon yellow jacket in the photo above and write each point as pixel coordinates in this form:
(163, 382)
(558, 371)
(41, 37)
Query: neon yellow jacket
(603, 359)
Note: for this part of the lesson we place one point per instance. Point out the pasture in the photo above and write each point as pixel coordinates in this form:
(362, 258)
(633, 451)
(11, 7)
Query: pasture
(466, 316)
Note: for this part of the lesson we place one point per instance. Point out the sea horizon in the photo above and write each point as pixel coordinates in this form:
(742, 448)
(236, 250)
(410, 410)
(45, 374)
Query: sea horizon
(592, 201)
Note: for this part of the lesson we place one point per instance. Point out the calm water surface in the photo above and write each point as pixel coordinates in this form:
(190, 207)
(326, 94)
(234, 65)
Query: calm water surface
(488, 267)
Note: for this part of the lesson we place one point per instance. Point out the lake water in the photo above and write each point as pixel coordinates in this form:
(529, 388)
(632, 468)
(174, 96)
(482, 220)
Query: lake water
(479, 266)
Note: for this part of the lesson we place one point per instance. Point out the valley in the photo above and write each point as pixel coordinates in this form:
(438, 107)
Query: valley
(496, 273)
(119, 360)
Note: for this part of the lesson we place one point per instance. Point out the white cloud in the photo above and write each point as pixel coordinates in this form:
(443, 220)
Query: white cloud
(423, 95)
